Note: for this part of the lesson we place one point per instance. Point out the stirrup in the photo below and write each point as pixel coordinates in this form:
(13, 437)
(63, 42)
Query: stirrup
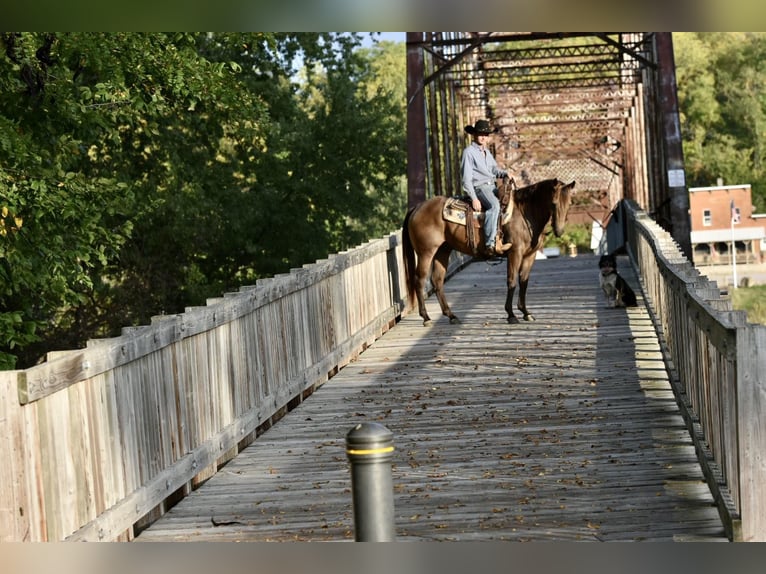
(502, 247)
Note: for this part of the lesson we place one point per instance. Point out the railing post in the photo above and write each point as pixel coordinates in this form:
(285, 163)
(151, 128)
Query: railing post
(370, 448)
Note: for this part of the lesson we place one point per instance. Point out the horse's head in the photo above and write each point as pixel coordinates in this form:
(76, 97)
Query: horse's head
(562, 199)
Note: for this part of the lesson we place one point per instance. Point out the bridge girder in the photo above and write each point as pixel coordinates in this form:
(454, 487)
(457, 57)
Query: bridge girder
(551, 95)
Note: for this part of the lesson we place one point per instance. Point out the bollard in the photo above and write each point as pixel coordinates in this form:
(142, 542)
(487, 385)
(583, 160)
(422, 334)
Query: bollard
(370, 448)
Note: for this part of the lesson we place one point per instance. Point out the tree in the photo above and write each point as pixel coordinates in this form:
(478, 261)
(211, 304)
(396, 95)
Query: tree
(143, 173)
(721, 79)
(352, 180)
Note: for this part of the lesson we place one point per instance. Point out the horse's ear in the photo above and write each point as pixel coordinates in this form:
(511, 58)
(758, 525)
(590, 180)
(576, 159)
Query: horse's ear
(571, 186)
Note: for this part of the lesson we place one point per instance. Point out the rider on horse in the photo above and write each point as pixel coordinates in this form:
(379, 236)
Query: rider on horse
(479, 170)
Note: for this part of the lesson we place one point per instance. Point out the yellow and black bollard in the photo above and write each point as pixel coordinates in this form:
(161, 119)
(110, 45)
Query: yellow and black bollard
(370, 448)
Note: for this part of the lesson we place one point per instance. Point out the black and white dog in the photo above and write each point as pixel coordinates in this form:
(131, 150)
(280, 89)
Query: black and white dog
(616, 290)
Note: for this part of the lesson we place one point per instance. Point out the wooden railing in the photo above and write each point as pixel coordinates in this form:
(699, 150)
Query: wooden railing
(97, 442)
(717, 363)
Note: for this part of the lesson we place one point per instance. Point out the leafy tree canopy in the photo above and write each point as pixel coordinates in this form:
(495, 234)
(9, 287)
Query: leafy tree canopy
(143, 173)
(721, 80)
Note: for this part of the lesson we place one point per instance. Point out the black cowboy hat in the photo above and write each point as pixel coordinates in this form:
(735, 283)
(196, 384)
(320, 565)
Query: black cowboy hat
(481, 127)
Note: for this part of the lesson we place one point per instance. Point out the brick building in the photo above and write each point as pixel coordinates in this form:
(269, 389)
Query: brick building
(712, 210)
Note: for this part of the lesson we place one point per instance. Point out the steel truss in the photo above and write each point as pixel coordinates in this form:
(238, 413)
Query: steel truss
(580, 106)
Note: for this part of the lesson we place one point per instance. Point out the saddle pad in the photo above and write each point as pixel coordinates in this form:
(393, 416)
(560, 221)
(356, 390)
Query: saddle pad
(455, 210)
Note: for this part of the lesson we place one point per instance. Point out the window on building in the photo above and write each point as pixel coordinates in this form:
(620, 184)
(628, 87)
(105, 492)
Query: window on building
(707, 218)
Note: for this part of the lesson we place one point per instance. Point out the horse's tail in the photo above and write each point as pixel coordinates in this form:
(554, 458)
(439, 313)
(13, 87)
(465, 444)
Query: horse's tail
(409, 258)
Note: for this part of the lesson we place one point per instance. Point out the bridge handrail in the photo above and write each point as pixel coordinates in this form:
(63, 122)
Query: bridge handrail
(98, 441)
(717, 362)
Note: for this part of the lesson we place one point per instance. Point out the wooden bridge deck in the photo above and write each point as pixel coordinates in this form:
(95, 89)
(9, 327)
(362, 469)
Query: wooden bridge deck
(560, 429)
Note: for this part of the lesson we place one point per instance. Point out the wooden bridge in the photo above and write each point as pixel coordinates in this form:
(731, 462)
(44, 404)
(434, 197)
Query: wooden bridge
(561, 429)
(228, 421)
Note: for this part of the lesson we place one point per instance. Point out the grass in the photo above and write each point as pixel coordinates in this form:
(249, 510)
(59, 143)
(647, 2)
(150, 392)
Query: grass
(750, 299)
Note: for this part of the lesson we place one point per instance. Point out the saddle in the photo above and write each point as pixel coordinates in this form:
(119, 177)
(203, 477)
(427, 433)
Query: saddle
(460, 211)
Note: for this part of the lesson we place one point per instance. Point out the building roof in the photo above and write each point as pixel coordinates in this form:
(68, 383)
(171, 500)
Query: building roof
(717, 187)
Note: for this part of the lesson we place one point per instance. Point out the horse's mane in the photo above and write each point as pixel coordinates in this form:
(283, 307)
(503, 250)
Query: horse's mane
(528, 192)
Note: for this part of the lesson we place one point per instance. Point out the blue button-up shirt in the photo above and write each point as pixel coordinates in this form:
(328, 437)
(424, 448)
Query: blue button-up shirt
(477, 168)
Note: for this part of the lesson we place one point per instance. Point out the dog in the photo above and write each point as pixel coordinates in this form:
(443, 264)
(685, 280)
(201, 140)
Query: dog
(616, 290)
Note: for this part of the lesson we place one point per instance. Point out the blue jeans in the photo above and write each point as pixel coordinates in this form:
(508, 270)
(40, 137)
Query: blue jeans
(491, 206)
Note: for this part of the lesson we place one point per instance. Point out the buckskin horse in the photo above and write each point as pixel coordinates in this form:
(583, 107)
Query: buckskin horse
(429, 236)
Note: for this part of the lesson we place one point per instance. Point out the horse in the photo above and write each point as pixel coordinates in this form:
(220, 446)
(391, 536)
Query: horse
(429, 236)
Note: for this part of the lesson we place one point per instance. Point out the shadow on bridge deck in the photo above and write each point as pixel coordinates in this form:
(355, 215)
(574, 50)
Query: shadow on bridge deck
(560, 429)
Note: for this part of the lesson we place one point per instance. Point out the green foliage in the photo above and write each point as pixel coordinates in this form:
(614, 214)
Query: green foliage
(357, 110)
(721, 80)
(143, 173)
(574, 233)
(751, 299)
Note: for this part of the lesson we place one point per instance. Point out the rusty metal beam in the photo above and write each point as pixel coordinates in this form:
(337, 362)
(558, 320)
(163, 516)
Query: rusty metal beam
(454, 60)
(678, 195)
(416, 121)
(503, 37)
(627, 50)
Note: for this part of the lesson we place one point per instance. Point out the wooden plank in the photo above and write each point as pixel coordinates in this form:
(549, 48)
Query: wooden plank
(82, 488)
(125, 381)
(104, 439)
(14, 495)
(58, 475)
(751, 425)
(31, 447)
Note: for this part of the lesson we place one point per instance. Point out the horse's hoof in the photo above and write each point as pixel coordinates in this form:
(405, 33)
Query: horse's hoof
(427, 323)
(454, 320)
(529, 318)
(513, 320)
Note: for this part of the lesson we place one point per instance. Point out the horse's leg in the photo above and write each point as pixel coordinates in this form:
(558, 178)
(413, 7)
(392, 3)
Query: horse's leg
(514, 259)
(441, 263)
(422, 271)
(526, 268)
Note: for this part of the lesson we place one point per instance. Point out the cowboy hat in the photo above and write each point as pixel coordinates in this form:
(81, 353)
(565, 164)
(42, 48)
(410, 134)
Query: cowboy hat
(481, 127)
